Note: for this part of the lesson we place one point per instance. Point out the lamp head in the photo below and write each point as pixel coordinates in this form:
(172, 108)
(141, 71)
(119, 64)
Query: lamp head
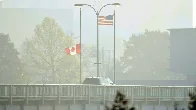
(116, 4)
(79, 5)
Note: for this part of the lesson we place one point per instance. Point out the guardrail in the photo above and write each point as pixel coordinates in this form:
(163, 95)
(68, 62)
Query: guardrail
(89, 91)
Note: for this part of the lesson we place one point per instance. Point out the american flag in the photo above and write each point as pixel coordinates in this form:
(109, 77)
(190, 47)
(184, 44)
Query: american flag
(105, 20)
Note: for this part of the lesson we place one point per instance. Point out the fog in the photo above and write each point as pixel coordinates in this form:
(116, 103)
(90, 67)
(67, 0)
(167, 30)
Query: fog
(19, 21)
(85, 54)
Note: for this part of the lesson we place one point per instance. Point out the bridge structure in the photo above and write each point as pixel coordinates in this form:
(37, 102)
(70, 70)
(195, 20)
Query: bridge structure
(57, 95)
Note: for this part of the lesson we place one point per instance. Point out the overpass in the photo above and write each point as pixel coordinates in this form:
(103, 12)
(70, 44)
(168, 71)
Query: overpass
(54, 95)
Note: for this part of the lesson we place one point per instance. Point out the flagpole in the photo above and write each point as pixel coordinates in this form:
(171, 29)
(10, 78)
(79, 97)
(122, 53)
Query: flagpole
(114, 47)
(97, 44)
(80, 49)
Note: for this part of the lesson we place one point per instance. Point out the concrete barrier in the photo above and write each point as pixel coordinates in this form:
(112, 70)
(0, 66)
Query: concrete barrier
(45, 108)
(30, 108)
(13, 107)
(91, 107)
(62, 107)
(2, 107)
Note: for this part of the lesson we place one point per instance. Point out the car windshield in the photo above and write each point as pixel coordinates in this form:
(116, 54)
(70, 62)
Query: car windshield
(92, 81)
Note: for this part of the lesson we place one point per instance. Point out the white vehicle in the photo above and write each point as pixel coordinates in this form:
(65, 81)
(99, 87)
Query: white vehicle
(98, 81)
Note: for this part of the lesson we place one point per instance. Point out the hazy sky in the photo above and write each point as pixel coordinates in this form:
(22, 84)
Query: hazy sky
(20, 24)
(133, 16)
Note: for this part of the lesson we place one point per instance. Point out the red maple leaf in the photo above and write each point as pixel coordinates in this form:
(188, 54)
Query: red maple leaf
(72, 49)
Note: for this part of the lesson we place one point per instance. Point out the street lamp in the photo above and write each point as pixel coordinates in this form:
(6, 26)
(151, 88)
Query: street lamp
(97, 13)
(116, 4)
(79, 5)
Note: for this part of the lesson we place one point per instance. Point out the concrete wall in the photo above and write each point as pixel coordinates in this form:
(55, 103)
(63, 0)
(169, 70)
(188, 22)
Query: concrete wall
(58, 107)
(85, 107)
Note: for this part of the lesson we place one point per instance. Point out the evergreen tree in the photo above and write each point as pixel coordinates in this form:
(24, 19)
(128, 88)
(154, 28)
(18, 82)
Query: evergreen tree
(120, 103)
(192, 102)
(9, 61)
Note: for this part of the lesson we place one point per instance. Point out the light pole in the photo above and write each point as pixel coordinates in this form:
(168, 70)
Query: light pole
(97, 14)
(114, 47)
(80, 45)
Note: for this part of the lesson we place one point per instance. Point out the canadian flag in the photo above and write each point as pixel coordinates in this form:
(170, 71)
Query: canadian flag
(73, 50)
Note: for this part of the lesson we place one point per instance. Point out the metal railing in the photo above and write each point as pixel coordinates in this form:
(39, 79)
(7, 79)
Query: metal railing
(76, 92)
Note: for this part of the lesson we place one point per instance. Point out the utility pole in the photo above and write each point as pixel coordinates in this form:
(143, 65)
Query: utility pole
(103, 64)
(109, 62)
(109, 59)
(97, 13)
(80, 47)
(114, 76)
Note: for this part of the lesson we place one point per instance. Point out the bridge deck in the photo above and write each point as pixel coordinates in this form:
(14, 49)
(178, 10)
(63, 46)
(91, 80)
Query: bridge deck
(45, 94)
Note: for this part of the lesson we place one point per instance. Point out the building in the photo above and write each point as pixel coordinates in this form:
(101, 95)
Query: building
(183, 51)
(182, 48)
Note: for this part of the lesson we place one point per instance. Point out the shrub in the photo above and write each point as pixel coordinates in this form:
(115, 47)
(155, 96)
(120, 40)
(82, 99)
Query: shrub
(120, 103)
(192, 102)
